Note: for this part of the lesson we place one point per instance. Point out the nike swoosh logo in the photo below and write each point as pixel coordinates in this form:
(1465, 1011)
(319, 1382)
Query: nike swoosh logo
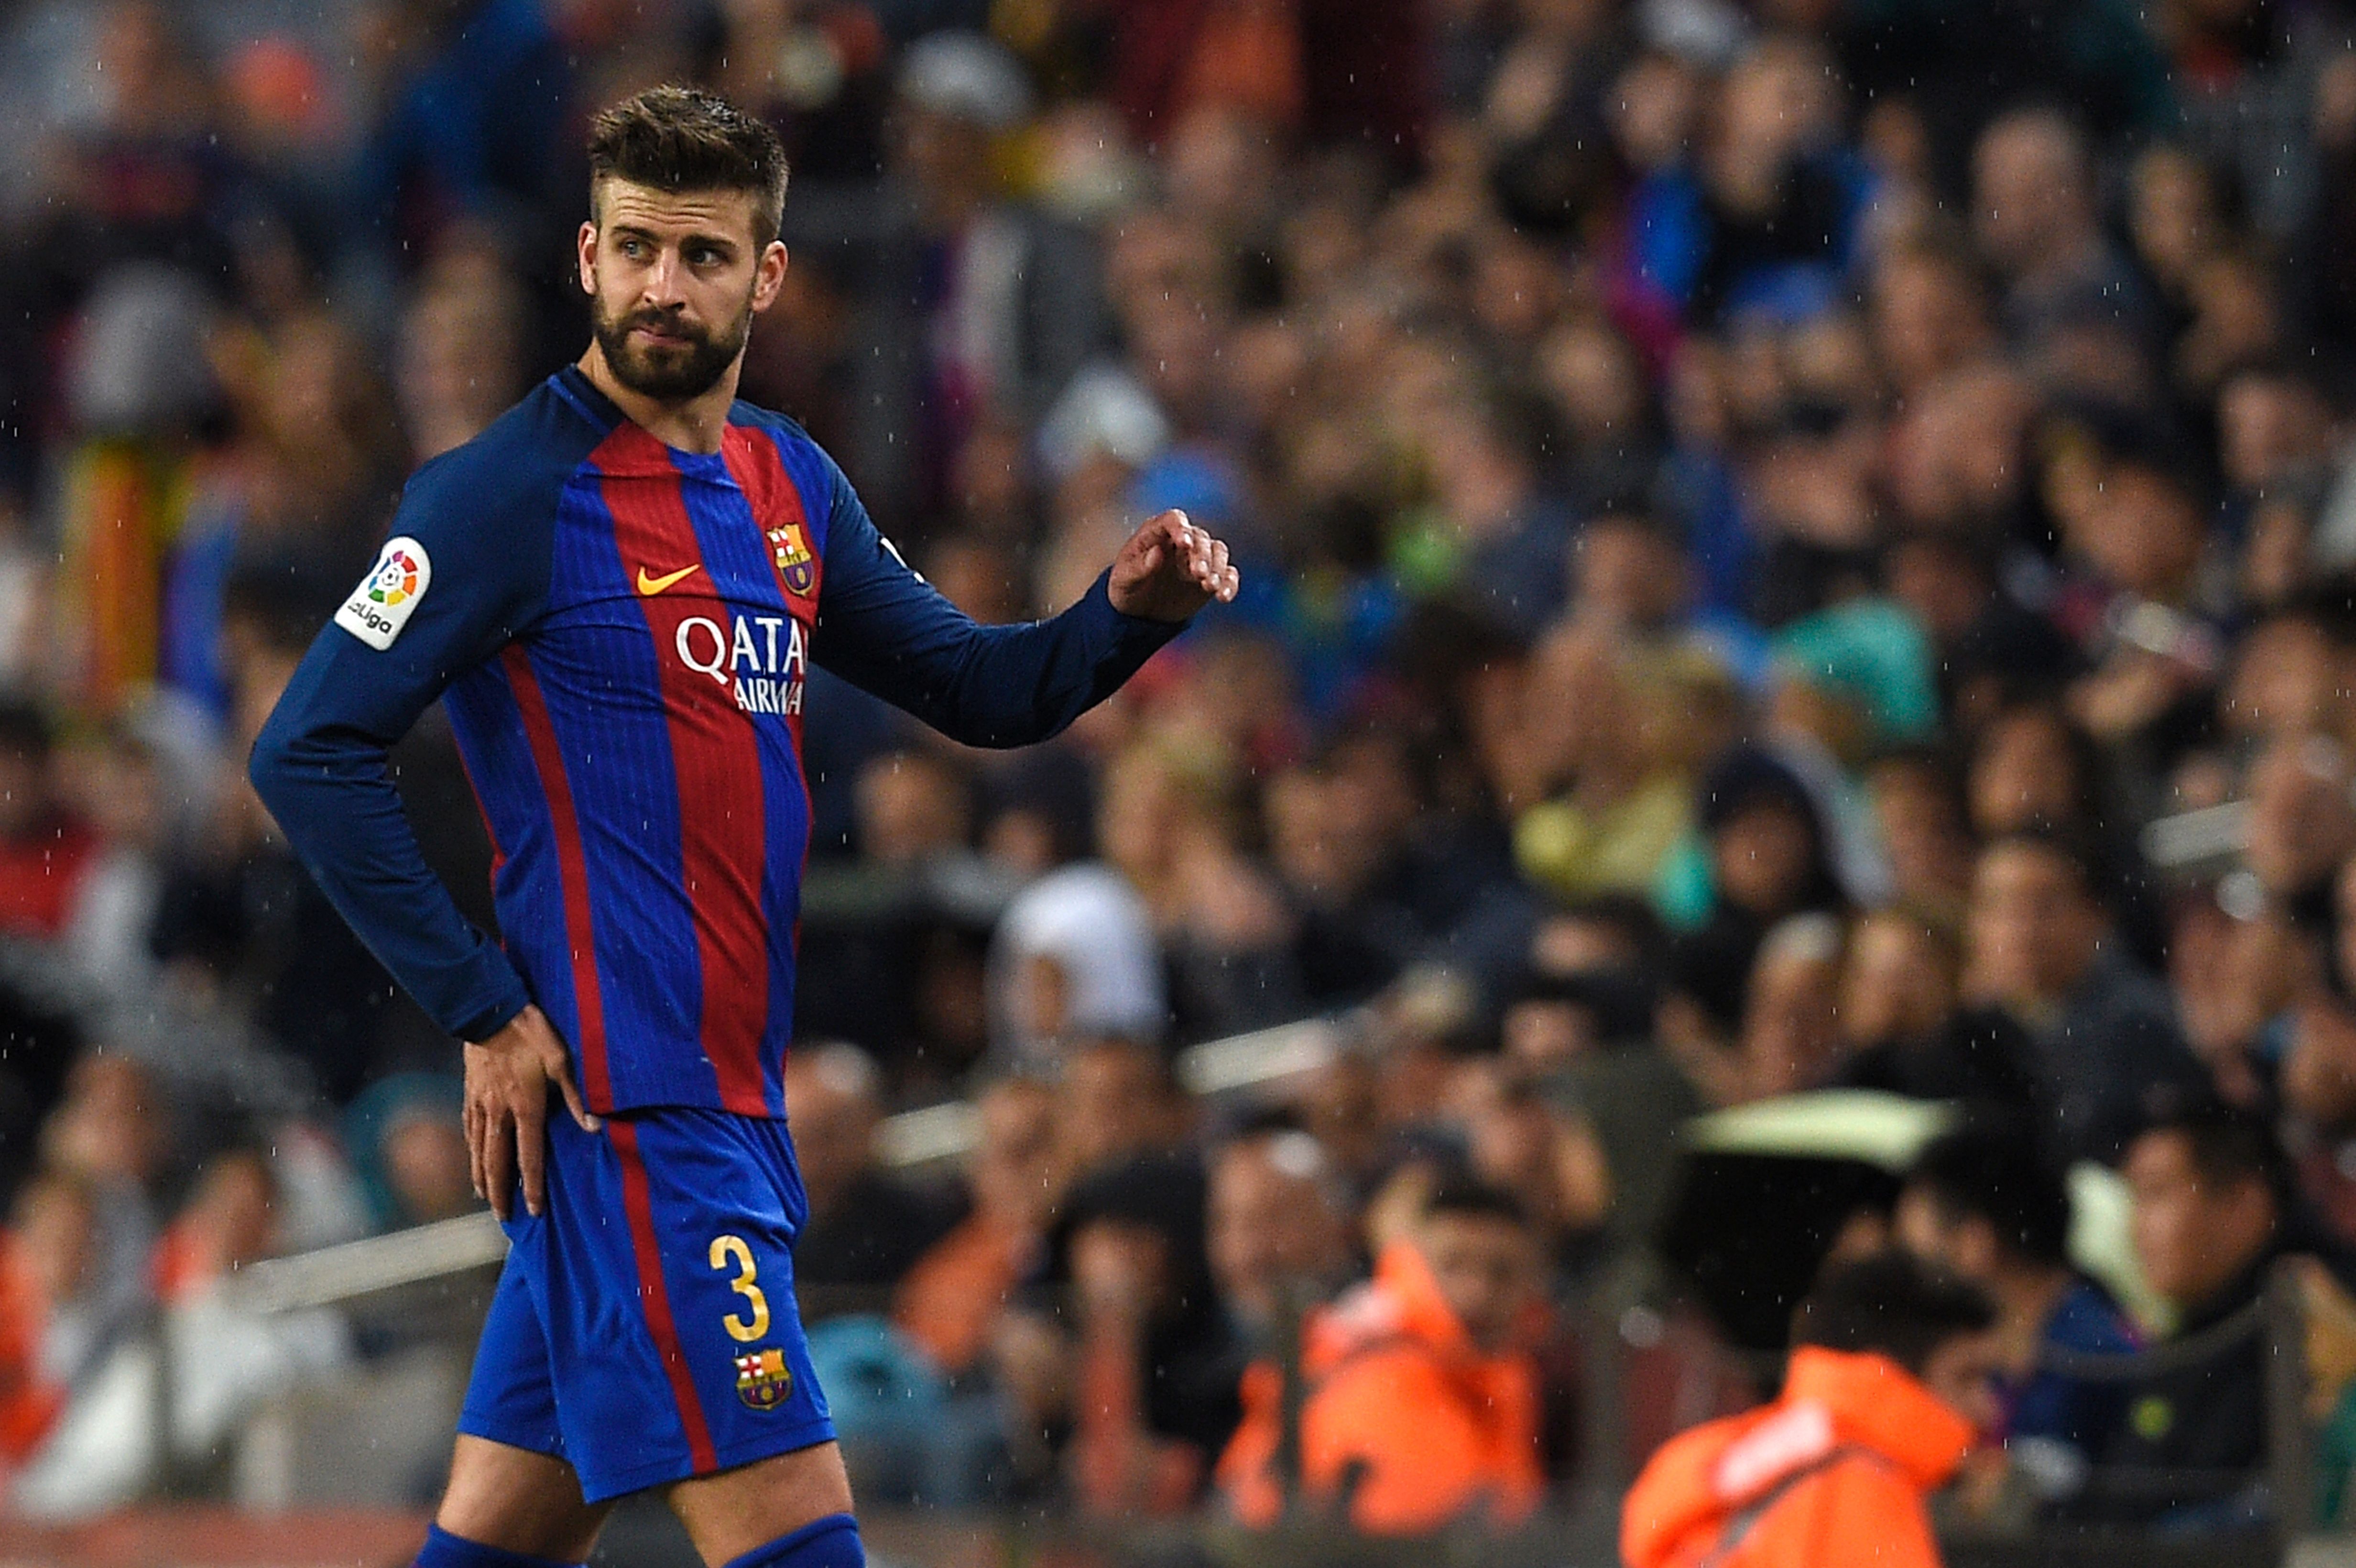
(654, 586)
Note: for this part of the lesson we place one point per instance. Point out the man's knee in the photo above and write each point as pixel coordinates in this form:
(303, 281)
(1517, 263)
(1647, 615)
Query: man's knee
(444, 1549)
(829, 1542)
(749, 1515)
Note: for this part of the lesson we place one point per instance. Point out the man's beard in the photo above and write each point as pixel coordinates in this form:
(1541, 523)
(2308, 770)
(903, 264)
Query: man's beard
(670, 373)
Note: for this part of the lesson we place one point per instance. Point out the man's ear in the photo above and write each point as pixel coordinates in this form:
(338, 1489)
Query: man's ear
(586, 246)
(770, 277)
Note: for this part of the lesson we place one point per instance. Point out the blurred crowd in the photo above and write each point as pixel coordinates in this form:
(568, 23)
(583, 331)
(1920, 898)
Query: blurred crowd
(1788, 545)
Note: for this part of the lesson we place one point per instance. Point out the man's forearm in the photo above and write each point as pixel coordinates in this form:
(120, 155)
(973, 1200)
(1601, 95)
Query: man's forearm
(334, 799)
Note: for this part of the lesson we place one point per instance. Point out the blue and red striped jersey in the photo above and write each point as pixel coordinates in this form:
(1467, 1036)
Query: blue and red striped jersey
(620, 631)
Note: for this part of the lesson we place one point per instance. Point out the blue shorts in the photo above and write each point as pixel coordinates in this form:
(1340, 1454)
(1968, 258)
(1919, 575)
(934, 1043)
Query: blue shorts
(645, 1329)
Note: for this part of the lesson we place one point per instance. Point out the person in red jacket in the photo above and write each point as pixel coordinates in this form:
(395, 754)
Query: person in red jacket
(1422, 1400)
(1889, 1384)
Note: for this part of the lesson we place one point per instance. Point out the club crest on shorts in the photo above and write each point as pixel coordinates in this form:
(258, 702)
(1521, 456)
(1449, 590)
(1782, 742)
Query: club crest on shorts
(763, 1379)
(795, 562)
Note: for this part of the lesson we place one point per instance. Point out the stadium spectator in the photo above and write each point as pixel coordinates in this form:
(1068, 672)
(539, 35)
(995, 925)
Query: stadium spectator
(2101, 1035)
(1888, 1387)
(1074, 956)
(1765, 463)
(46, 851)
(1615, 806)
(969, 304)
(1905, 1028)
(1421, 1401)
(950, 1301)
(1768, 856)
(1117, 1102)
(2211, 1214)
(1279, 1236)
(1149, 1366)
(409, 1151)
(1982, 1202)
(865, 1229)
(2037, 223)
(190, 1349)
(1791, 1016)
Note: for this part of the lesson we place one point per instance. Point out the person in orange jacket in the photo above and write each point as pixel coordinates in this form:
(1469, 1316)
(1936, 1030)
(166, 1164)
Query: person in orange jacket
(1420, 1403)
(1889, 1386)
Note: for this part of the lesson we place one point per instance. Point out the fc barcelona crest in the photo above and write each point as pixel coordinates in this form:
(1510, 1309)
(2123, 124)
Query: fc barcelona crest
(763, 1379)
(795, 564)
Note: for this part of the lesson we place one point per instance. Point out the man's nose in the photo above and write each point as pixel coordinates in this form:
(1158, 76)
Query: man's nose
(663, 279)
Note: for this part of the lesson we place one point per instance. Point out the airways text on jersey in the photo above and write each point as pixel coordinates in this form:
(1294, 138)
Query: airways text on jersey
(763, 672)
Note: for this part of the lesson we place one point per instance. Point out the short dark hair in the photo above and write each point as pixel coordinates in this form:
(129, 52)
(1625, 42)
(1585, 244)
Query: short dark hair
(1991, 1169)
(25, 729)
(682, 139)
(1893, 1304)
(2228, 1145)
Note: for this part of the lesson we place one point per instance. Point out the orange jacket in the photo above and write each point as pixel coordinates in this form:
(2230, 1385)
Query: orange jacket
(1830, 1475)
(29, 1402)
(956, 1292)
(1398, 1396)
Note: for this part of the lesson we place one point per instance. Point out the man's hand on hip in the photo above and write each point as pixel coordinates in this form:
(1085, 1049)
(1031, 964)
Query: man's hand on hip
(1170, 569)
(508, 1077)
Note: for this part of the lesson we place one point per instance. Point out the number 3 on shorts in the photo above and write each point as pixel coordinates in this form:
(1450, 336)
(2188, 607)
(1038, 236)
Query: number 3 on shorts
(729, 1251)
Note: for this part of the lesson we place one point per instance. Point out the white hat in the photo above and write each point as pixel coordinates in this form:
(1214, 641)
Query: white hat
(967, 76)
(1102, 408)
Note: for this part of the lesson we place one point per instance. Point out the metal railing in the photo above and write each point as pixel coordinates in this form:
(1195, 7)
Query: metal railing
(913, 1140)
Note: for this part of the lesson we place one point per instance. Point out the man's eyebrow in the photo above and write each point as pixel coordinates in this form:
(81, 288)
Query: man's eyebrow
(640, 231)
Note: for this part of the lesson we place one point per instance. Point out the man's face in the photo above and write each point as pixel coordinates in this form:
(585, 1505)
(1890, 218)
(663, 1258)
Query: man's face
(2034, 930)
(1267, 1226)
(2192, 1234)
(1962, 1372)
(1896, 984)
(1762, 857)
(2301, 825)
(834, 1129)
(674, 279)
(1963, 1247)
(1791, 1022)
(1115, 1104)
(1487, 1268)
(2026, 186)
(1015, 1176)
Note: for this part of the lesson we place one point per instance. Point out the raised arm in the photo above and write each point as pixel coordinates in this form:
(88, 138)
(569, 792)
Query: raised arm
(885, 629)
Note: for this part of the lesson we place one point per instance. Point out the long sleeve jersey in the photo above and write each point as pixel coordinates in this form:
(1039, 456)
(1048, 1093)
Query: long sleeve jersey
(620, 631)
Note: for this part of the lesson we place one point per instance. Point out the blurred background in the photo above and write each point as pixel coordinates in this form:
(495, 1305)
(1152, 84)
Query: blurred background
(1800, 572)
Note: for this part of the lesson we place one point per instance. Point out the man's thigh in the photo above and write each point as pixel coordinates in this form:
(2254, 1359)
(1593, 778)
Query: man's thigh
(519, 1502)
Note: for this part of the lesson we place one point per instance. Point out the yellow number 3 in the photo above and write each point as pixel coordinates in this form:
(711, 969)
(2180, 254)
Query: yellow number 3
(731, 1251)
